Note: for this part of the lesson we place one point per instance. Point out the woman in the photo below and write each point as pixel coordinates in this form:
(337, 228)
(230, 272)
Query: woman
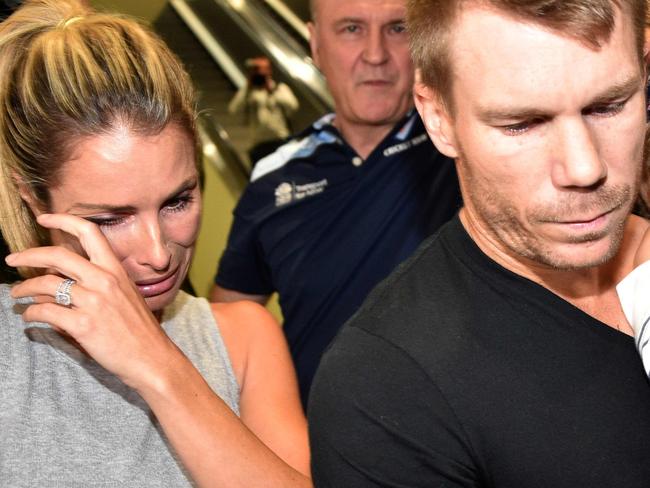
(100, 204)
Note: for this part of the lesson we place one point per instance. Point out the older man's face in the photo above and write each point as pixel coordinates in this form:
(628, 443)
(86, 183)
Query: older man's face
(548, 134)
(361, 46)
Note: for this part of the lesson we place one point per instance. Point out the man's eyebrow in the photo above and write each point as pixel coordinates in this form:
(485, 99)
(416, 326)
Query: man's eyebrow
(621, 90)
(360, 20)
(349, 20)
(188, 184)
(489, 115)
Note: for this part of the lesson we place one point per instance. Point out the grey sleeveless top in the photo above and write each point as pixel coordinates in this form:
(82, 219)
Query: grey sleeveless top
(67, 422)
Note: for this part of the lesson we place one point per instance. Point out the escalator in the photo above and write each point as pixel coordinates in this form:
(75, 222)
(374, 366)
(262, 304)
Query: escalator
(300, 8)
(214, 88)
(292, 16)
(234, 30)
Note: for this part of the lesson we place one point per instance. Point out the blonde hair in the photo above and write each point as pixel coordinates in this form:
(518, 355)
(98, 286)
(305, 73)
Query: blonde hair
(69, 73)
(430, 24)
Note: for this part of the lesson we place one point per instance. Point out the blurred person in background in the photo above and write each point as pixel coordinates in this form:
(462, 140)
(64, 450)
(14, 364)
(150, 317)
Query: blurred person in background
(267, 107)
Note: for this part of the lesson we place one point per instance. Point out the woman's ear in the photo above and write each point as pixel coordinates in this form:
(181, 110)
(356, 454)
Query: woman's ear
(26, 194)
(435, 117)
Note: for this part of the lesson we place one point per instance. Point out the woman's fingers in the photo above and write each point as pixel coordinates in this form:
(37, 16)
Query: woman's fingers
(45, 289)
(59, 259)
(42, 288)
(90, 237)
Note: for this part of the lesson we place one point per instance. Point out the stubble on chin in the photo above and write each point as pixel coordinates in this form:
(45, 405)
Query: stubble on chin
(515, 232)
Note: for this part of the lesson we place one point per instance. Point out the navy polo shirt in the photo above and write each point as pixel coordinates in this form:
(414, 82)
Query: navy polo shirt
(322, 227)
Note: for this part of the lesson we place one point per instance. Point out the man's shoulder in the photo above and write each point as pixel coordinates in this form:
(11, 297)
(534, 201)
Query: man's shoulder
(293, 173)
(305, 147)
(418, 288)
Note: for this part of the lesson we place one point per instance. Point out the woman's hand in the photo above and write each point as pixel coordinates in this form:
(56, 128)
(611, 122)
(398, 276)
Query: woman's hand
(107, 316)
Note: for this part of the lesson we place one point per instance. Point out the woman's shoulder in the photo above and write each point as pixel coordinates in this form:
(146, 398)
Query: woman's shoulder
(246, 322)
(246, 327)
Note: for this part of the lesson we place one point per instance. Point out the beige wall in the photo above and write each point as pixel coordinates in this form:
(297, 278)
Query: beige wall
(219, 199)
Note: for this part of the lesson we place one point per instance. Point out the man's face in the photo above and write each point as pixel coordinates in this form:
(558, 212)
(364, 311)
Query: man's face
(548, 135)
(361, 47)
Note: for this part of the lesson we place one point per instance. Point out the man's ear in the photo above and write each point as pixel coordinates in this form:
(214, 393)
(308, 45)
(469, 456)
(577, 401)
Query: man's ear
(435, 118)
(313, 43)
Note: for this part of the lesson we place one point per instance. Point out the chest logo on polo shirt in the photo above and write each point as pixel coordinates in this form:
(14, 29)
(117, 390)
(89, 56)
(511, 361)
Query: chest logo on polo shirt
(403, 146)
(289, 192)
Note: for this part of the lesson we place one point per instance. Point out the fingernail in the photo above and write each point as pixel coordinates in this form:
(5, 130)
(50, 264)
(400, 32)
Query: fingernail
(10, 259)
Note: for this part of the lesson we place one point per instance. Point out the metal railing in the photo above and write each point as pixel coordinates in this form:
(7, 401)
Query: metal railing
(271, 39)
(220, 151)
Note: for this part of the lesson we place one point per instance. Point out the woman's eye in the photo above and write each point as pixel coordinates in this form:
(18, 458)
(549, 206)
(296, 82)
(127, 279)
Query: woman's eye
(106, 221)
(178, 204)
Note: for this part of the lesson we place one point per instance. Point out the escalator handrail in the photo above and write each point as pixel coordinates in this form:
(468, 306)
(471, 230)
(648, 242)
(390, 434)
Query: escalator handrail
(280, 8)
(219, 137)
(234, 73)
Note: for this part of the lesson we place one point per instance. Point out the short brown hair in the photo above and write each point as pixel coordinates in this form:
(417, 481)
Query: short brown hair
(430, 23)
(70, 73)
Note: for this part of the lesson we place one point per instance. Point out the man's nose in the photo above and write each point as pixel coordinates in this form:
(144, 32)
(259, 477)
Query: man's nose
(578, 162)
(375, 51)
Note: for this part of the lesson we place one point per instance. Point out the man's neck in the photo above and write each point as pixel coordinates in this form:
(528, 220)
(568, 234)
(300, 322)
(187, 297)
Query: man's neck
(592, 290)
(363, 138)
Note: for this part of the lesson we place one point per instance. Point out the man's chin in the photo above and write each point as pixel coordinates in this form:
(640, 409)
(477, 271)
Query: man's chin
(581, 255)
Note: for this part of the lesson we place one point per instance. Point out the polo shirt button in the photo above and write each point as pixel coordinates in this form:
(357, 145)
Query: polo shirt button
(357, 161)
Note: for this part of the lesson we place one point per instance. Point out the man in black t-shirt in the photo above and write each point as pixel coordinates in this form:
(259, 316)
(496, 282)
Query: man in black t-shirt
(498, 355)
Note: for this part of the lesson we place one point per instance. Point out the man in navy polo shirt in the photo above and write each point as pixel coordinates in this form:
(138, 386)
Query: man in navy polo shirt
(333, 211)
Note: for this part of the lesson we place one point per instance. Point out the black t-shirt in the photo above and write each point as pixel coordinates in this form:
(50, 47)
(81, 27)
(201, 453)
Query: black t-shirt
(459, 373)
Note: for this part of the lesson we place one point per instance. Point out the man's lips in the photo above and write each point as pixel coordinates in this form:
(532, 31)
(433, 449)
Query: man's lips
(588, 219)
(378, 82)
(587, 223)
(583, 220)
(157, 286)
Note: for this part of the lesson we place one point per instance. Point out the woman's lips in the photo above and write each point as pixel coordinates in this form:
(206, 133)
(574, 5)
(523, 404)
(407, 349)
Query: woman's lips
(150, 288)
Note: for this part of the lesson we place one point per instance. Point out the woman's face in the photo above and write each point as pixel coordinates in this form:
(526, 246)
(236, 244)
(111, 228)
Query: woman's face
(143, 193)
